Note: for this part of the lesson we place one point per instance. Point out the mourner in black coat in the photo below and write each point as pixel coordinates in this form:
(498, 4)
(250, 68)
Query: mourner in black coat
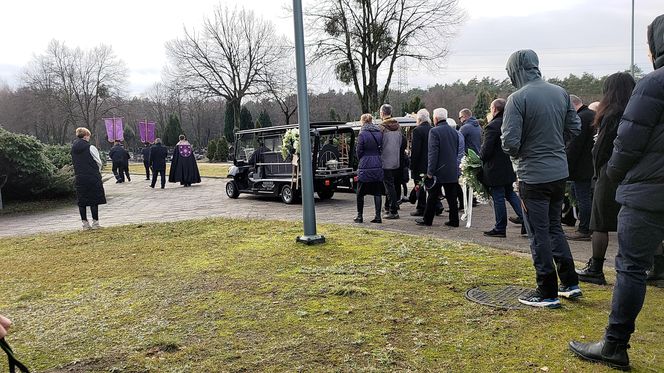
(418, 157)
(498, 172)
(183, 166)
(120, 158)
(158, 154)
(580, 165)
(146, 160)
(87, 177)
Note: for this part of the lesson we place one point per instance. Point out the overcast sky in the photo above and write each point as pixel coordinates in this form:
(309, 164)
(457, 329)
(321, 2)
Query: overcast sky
(570, 36)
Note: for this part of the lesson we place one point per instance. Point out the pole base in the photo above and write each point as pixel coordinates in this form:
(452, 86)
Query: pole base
(311, 240)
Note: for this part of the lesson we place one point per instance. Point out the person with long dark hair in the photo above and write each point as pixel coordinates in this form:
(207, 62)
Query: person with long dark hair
(370, 168)
(87, 177)
(604, 214)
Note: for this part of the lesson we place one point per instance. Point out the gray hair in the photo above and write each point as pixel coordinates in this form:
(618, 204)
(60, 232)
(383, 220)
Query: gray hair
(576, 101)
(386, 110)
(423, 116)
(439, 114)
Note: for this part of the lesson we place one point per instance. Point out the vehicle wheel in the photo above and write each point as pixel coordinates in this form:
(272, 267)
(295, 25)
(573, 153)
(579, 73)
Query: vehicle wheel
(231, 190)
(325, 193)
(287, 194)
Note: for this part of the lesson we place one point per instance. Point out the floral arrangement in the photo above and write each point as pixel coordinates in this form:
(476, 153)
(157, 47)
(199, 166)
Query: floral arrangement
(471, 169)
(290, 144)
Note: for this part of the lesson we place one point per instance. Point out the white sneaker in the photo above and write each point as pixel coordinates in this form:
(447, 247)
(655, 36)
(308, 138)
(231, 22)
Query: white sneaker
(86, 225)
(95, 224)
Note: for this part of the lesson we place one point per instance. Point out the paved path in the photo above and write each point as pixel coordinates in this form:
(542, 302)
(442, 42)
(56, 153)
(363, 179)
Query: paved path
(133, 202)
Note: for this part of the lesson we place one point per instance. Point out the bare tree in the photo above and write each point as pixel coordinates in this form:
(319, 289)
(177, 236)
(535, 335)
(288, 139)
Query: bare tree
(82, 83)
(281, 85)
(363, 39)
(228, 58)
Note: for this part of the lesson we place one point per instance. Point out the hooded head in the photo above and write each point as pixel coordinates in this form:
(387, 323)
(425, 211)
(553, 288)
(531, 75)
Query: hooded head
(656, 41)
(523, 67)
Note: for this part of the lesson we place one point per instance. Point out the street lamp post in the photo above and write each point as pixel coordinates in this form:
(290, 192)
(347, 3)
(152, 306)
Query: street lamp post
(308, 211)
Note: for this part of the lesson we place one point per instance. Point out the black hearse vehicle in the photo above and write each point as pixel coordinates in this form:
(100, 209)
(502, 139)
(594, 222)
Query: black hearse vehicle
(261, 167)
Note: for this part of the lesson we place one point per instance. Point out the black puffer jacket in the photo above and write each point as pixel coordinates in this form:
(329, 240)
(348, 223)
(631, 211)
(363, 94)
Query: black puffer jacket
(638, 151)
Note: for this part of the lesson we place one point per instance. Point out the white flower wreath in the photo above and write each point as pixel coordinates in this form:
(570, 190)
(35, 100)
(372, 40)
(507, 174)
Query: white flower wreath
(290, 143)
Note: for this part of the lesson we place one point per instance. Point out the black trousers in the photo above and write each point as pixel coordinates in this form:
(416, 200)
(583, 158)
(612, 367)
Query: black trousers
(94, 209)
(421, 194)
(548, 245)
(147, 170)
(450, 196)
(118, 171)
(162, 173)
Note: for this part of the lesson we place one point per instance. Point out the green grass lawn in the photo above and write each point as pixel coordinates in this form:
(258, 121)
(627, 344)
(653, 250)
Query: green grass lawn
(228, 295)
(206, 169)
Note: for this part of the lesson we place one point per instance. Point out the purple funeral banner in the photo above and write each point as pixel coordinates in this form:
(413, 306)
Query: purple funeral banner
(114, 129)
(147, 131)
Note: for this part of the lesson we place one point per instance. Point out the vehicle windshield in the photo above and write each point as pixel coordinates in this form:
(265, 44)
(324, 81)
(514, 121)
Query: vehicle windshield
(247, 143)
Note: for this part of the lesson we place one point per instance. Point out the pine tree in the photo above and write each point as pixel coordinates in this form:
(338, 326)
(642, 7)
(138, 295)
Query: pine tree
(264, 119)
(212, 150)
(413, 105)
(173, 131)
(229, 124)
(246, 121)
(333, 115)
(222, 150)
(482, 102)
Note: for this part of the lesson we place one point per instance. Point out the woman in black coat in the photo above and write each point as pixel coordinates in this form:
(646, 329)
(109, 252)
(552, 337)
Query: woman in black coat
(498, 172)
(87, 173)
(604, 215)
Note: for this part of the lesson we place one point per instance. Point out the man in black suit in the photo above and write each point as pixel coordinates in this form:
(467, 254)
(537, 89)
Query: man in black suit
(118, 155)
(445, 148)
(158, 154)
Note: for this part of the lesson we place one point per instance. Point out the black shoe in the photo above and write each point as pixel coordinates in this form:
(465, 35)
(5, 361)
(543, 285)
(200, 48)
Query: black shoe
(358, 219)
(439, 212)
(535, 299)
(391, 216)
(422, 222)
(147, 178)
(592, 272)
(578, 236)
(417, 213)
(524, 232)
(377, 220)
(450, 224)
(517, 220)
(495, 233)
(604, 352)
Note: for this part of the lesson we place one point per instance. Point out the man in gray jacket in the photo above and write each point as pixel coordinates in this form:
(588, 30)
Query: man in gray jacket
(393, 145)
(533, 135)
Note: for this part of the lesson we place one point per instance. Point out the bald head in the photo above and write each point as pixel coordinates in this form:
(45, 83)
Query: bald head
(498, 105)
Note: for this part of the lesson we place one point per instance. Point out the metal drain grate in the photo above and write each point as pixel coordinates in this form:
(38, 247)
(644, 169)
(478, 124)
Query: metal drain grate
(503, 297)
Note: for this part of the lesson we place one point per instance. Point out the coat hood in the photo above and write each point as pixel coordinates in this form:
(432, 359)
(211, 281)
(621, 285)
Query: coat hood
(523, 67)
(472, 121)
(656, 41)
(390, 124)
(79, 146)
(371, 127)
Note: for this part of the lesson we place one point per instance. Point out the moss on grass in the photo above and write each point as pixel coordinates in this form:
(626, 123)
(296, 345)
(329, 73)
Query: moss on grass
(229, 295)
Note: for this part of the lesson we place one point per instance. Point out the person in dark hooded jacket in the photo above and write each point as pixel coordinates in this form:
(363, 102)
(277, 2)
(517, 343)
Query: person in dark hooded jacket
(637, 163)
(536, 118)
(87, 177)
(120, 158)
